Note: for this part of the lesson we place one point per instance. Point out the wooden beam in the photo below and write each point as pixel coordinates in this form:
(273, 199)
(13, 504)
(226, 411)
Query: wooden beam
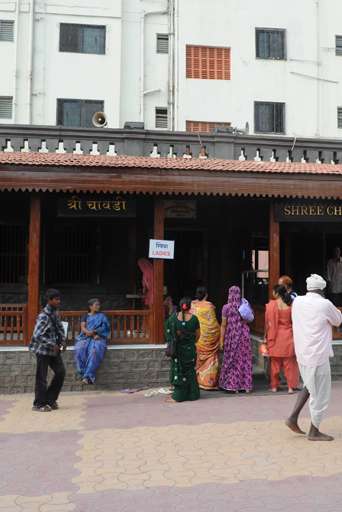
(158, 274)
(273, 252)
(34, 256)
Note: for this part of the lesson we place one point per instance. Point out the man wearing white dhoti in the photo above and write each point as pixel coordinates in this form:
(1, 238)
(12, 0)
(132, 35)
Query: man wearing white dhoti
(312, 317)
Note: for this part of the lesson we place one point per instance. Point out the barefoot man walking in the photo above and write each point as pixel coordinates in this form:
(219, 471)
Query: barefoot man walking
(312, 316)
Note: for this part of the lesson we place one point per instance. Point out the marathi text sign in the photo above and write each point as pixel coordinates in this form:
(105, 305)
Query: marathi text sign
(179, 209)
(319, 211)
(98, 206)
(163, 249)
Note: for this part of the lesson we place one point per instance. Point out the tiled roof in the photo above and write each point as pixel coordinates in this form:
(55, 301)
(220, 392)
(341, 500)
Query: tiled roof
(182, 164)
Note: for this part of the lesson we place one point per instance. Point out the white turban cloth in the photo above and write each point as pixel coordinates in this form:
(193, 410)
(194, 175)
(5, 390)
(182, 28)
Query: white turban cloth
(315, 282)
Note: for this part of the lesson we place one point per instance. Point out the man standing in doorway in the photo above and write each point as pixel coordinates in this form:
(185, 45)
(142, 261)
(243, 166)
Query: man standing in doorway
(48, 341)
(334, 277)
(312, 316)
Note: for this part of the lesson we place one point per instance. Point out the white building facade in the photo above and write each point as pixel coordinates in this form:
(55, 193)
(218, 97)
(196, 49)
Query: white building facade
(184, 65)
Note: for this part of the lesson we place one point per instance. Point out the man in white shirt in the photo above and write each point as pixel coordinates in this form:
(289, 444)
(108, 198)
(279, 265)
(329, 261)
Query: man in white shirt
(312, 316)
(334, 278)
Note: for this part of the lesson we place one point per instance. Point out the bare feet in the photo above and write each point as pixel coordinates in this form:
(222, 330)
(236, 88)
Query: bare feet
(248, 391)
(315, 435)
(293, 425)
(170, 400)
(290, 391)
(85, 381)
(274, 390)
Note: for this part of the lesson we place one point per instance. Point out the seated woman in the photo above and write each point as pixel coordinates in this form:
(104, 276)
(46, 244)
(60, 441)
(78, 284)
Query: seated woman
(91, 344)
(208, 346)
(185, 328)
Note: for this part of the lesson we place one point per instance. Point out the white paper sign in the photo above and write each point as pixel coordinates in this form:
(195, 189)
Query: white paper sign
(65, 327)
(163, 249)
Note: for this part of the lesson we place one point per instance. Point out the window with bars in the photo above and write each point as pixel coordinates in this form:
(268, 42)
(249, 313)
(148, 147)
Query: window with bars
(13, 254)
(269, 117)
(203, 126)
(161, 117)
(162, 43)
(72, 254)
(270, 43)
(76, 38)
(6, 30)
(339, 45)
(6, 107)
(339, 117)
(77, 112)
(208, 63)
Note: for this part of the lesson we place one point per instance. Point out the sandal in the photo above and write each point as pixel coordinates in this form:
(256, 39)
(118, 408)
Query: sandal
(44, 408)
(52, 405)
(151, 393)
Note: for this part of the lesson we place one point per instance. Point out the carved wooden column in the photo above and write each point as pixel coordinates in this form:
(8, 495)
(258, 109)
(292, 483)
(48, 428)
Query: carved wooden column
(34, 256)
(158, 274)
(274, 251)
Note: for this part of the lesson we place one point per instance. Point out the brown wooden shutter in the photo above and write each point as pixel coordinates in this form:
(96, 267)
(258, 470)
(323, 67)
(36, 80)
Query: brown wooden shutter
(202, 126)
(208, 63)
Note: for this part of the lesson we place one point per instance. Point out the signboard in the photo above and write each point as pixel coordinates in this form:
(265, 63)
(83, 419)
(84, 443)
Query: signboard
(163, 249)
(106, 205)
(313, 211)
(178, 209)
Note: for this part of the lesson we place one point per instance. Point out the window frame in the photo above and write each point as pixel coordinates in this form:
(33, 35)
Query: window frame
(166, 37)
(200, 67)
(339, 121)
(167, 118)
(338, 49)
(275, 105)
(7, 40)
(7, 98)
(270, 31)
(59, 113)
(82, 26)
(210, 125)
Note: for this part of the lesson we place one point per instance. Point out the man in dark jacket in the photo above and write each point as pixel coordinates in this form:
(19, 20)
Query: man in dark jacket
(48, 341)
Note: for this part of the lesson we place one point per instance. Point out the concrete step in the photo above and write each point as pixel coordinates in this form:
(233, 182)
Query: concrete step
(258, 373)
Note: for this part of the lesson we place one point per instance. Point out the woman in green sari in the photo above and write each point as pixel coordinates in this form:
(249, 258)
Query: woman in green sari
(183, 367)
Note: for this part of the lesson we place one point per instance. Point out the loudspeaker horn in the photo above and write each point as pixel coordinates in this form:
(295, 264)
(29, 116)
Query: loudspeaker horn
(244, 130)
(100, 120)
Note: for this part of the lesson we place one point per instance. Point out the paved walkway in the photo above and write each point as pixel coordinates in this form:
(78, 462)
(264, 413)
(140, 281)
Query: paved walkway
(110, 452)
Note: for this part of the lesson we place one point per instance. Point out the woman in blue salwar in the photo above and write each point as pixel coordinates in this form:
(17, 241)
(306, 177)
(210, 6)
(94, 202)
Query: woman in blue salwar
(91, 344)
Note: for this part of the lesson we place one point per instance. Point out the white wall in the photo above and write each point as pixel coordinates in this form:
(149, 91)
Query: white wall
(115, 78)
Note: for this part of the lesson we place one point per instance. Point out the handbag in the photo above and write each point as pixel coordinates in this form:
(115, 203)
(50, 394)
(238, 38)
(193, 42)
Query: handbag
(263, 350)
(246, 311)
(171, 349)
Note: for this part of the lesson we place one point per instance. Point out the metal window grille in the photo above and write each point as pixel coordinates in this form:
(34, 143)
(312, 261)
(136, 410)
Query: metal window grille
(77, 112)
(161, 117)
(6, 30)
(76, 38)
(338, 45)
(203, 126)
(6, 106)
(162, 43)
(270, 43)
(208, 63)
(13, 244)
(339, 117)
(269, 117)
(72, 259)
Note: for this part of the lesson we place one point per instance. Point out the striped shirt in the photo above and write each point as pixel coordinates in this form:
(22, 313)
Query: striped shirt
(45, 336)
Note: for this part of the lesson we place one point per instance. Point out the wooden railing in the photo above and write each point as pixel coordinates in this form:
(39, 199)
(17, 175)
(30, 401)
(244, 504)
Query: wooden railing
(13, 324)
(257, 326)
(130, 326)
(337, 331)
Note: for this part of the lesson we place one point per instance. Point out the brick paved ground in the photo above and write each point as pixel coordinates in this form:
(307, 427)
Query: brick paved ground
(110, 452)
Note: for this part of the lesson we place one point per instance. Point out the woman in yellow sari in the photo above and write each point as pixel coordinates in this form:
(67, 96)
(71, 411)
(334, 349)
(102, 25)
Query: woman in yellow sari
(208, 346)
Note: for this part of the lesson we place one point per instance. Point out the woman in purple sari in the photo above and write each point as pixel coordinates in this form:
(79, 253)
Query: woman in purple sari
(236, 368)
(91, 344)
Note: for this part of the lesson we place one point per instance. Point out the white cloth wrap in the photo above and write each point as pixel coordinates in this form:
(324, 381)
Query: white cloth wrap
(317, 381)
(315, 282)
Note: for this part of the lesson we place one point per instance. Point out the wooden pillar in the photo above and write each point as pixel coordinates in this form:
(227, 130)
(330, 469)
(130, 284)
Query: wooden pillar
(132, 260)
(33, 275)
(273, 252)
(158, 274)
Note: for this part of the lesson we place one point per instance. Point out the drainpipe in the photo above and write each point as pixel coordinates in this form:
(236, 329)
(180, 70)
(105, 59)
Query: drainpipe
(142, 59)
(15, 74)
(171, 65)
(176, 63)
(29, 67)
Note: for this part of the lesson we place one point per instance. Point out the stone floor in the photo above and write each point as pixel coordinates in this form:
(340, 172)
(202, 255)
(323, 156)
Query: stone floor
(113, 452)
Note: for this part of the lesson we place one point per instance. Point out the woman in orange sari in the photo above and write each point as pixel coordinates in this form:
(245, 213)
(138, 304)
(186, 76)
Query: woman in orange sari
(208, 346)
